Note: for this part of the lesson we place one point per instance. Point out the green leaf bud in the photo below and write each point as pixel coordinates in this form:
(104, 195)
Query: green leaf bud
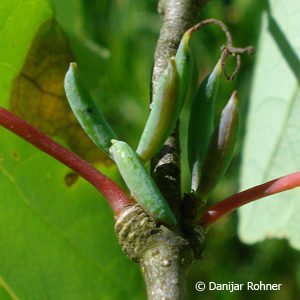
(140, 183)
(221, 147)
(184, 65)
(86, 111)
(201, 122)
(164, 114)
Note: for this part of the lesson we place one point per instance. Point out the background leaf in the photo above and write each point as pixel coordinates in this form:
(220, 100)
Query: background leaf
(120, 84)
(19, 21)
(272, 135)
(57, 240)
(38, 94)
(56, 231)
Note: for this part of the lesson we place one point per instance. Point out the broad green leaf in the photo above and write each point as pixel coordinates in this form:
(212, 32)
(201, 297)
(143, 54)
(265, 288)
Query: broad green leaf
(5, 292)
(19, 21)
(56, 230)
(57, 239)
(272, 134)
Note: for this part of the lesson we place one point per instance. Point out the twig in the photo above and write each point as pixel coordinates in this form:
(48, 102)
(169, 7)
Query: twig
(178, 16)
(227, 49)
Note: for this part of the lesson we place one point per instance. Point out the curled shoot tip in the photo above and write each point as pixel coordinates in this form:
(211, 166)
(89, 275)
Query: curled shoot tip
(227, 49)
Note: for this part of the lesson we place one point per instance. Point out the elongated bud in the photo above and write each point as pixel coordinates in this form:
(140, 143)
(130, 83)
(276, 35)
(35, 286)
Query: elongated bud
(184, 65)
(221, 147)
(201, 122)
(86, 111)
(140, 183)
(164, 114)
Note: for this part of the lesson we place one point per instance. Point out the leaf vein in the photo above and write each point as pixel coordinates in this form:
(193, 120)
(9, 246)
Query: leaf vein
(10, 15)
(8, 289)
(58, 230)
(282, 132)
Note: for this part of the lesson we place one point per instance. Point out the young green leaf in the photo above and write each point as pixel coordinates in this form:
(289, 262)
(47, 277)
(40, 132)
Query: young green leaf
(164, 114)
(184, 66)
(221, 148)
(86, 111)
(201, 122)
(140, 183)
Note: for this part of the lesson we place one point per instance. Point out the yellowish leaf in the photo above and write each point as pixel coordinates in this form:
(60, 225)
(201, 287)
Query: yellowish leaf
(38, 94)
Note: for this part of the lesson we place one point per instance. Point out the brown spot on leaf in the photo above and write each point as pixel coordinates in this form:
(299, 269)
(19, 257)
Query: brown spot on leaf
(71, 178)
(15, 155)
(38, 94)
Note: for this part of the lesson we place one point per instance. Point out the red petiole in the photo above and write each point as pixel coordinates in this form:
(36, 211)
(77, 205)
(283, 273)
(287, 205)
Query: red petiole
(115, 195)
(231, 203)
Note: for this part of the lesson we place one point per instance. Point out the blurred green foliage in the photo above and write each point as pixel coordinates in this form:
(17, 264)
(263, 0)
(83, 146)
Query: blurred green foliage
(114, 42)
(129, 30)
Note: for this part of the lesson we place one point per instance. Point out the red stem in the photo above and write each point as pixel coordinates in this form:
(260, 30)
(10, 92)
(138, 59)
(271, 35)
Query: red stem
(231, 203)
(114, 194)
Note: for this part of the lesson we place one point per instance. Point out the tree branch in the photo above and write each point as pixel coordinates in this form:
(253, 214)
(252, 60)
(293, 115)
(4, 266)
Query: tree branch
(164, 253)
(178, 16)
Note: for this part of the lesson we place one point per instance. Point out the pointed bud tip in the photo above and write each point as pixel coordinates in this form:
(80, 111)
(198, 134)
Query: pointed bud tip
(218, 68)
(188, 34)
(233, 101)
(113, 141)
(234, 97)
(186, 38)
(230, 108)
(73, 65)
(172, 62)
